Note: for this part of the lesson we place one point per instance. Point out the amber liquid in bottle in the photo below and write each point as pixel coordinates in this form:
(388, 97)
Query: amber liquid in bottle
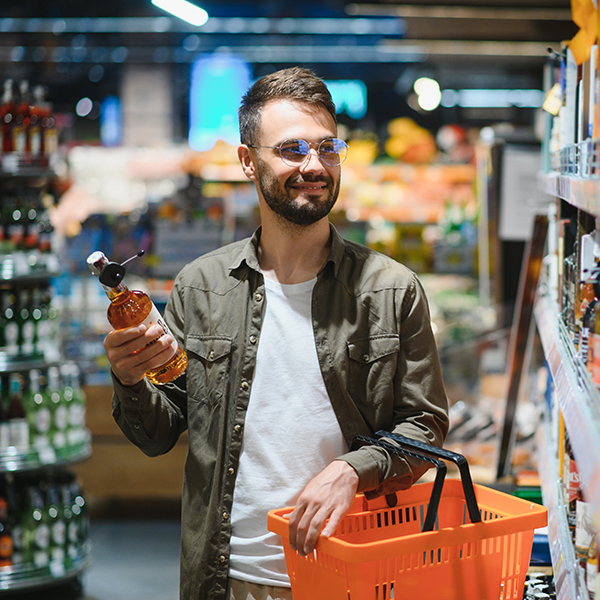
(129, 308)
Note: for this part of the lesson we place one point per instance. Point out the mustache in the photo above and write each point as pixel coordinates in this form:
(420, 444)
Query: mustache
(309, 179)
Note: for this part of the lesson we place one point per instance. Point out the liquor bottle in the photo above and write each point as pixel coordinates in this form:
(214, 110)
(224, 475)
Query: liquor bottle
(38, 113)
(26, 324)
(37, 409)
(80, 518)
(36, 531)
(20, 131)
(71, 534)
(58, 408)
(58, 532)
(131, 308)
(6, 541)
(10, 324)
(17, 419)
(4, 422)
(15, 509)
(76, 403)
(7, 115)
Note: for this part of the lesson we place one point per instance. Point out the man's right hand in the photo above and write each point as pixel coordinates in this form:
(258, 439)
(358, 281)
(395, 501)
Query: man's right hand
(131, 352)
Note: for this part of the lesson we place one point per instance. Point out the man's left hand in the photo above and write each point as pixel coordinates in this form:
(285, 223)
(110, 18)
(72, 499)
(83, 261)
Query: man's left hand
(327, 496)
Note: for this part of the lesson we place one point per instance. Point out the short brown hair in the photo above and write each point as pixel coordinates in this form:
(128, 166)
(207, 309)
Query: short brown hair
(295, 83)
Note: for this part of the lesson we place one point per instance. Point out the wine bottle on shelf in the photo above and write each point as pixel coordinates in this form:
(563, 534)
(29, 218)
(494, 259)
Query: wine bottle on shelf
(17, 418)
(7, 117)
(36, 529)
(6, 541)
(20, 131)
(129, 308)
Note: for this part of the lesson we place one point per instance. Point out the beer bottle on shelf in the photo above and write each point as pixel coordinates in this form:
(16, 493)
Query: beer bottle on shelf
(38, 412)
(129, 308)
(36, 530)
(58, 533)
(60, 415)
(17, 419)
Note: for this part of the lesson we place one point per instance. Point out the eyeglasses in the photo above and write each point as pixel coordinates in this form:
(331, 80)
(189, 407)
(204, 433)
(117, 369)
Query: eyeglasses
(294, 153)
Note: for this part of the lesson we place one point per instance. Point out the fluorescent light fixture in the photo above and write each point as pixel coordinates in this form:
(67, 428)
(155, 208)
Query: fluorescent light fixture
(184, 10)
(475, 98)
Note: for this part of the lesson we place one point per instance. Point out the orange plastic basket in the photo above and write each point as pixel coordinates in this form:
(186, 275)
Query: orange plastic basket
(380, 553)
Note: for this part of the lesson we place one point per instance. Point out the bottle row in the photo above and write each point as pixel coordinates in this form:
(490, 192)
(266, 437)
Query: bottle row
(43, 524)
(28, 133)
(42, 410)
(28, 321)
(25, 219)
(580, 519)
(574, 102)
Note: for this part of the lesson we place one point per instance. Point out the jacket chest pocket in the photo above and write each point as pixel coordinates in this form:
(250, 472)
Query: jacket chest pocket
(372, 367)
(208, 368)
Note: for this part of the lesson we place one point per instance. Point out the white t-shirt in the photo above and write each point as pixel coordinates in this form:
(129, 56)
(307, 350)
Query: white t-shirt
(291, 432)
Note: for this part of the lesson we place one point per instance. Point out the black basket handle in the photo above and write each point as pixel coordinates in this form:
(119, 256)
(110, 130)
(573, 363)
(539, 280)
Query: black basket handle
(433, 454)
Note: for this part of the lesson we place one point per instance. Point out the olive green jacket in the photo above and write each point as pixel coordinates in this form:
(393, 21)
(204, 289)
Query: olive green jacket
(378, 358)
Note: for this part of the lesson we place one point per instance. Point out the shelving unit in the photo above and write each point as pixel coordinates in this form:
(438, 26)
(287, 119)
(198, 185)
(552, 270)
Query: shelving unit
(29, 465)
(576, 180)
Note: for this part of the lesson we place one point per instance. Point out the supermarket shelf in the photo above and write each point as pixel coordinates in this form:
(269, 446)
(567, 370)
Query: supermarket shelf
(12, 459)
(583, 193)
(567, 577)
(578, 397)
(30, 577)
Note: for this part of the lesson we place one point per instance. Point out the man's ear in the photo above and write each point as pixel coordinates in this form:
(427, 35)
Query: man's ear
(247, 162)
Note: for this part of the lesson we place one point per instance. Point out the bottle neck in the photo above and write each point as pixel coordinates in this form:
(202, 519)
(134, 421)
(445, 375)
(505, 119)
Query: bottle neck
(115, 293)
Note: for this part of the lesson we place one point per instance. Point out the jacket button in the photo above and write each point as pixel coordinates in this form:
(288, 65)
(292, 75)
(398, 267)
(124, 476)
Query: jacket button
(245, 385)
(237, 428)
(211, 355)
(225, 516)
(253, 339)
(366, 357)
(231, 470)
(222, 559)
(258, 297)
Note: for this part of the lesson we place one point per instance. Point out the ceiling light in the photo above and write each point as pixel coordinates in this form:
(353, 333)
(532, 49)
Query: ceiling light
(184, 10)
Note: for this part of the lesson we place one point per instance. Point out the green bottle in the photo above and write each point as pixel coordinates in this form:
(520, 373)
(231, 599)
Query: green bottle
(59, 410)
(58, 531)
(39, 415)
(36, 530)
(17, 419)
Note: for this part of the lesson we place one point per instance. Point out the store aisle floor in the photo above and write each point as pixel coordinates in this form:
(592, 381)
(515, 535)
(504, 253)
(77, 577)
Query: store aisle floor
(133, 560)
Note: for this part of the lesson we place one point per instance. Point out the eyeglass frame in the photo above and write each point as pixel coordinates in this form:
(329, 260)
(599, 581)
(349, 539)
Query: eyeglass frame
(310, 146)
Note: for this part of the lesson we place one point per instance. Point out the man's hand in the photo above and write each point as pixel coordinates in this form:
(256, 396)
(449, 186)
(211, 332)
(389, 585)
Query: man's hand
(131, 352)
(328, 496)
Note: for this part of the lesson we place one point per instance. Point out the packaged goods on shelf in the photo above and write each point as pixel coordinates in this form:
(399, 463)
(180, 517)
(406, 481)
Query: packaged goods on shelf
(28, 133)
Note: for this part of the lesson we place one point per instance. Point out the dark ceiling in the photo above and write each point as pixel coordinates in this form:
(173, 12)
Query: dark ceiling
(499, 44)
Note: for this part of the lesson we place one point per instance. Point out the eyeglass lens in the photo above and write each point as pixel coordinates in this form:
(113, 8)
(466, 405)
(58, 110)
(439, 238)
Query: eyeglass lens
(332, 152)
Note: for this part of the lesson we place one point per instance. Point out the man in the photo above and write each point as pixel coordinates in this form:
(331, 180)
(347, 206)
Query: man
(297, 341)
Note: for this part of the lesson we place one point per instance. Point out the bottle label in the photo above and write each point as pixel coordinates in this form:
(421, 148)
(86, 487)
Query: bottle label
(155, 318)
(4, 435)
(61, 417)
(19, 434)
(42, 420)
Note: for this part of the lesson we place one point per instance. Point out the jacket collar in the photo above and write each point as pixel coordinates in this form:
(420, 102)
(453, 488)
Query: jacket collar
(249, 252)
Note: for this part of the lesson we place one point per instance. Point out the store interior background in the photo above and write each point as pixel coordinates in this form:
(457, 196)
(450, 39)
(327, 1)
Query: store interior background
(450, 191)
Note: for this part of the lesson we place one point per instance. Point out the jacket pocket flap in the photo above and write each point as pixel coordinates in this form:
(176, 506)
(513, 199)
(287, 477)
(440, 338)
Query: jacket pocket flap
(369, 349)
(210, 348)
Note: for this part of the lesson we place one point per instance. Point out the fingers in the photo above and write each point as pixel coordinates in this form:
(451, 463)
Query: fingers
(131, 352)
(322, 505)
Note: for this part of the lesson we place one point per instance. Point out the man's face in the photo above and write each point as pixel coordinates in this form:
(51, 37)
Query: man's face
(301, 194)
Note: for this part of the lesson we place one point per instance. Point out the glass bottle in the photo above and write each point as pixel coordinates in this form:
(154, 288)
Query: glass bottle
(6, 542)
(7, 116)
(129, 308)
(18, 425)
(58, 408)
(36, 531)
(39, 414)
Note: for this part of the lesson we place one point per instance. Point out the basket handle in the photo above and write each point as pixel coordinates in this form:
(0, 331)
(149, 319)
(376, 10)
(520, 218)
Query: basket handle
(433, 454)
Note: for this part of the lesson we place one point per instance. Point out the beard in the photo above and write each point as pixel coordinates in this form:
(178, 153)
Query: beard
(298, 211)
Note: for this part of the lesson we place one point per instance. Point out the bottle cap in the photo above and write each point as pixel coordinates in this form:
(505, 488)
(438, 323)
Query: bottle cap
(109, 273)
